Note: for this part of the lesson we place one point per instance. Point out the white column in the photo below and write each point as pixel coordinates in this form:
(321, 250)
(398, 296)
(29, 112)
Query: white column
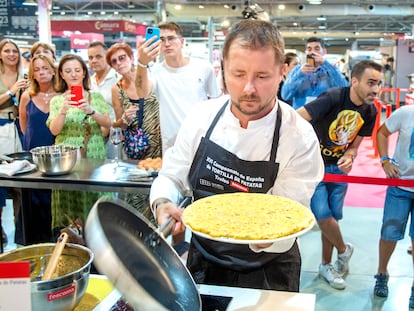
(45, 32)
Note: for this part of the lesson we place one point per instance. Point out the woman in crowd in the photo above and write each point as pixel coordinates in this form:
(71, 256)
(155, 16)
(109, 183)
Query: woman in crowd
(125, 102)
(33, 112)
(81, 124)
(43, 48)
(11, 85)
(291, 60)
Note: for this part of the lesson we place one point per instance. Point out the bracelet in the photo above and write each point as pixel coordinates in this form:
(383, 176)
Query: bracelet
(91, 114)
(386, 160)
(9, 93)
(142, 65)
(13, 98)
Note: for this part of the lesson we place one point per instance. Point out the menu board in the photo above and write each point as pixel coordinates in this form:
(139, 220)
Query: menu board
(4, 15)
(17, 18)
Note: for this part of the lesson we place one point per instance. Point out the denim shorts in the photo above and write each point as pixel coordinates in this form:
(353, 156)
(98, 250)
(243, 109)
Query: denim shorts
(398, 206)
(328, 198)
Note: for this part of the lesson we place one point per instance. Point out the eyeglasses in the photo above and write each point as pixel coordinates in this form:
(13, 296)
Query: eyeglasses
(168, 39)
(121, 58)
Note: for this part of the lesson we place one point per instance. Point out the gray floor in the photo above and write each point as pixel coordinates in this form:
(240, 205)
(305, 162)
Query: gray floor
(360, 227)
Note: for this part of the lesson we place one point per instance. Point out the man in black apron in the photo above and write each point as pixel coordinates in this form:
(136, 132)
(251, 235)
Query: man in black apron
(251, 143)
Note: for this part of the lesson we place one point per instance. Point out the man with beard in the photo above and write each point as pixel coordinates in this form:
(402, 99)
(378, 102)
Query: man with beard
(341, 118)
(251, 133)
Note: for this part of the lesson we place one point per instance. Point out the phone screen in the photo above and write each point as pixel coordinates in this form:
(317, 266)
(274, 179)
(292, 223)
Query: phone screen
(77, 91)
(151, 32)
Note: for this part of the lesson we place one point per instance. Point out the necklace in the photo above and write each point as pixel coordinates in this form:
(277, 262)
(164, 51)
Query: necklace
(47, 96)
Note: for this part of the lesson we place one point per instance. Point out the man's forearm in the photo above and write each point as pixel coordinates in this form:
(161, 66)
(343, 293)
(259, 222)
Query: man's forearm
(142, 82)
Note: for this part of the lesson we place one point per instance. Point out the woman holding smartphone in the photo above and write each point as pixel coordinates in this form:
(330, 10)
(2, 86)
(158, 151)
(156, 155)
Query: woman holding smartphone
(80, 123)
(125, 103)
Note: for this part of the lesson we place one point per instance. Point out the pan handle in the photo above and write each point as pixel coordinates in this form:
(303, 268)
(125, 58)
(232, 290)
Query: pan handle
(168, 226)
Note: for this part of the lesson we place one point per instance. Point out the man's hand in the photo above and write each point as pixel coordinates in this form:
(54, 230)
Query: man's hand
(391, 169)
(148, 51)
(345, 163)
(167, 210)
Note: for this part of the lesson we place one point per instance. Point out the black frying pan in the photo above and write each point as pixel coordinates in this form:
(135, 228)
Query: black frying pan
(137, 259)
(25, 155)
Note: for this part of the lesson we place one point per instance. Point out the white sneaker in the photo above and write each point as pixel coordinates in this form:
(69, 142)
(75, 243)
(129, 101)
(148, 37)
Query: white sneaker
(328, 273)
(342, 263)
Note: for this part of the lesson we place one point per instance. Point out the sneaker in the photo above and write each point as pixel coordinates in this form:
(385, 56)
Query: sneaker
(381, 287)
(342, 263)
(411, 301)
(330, 275)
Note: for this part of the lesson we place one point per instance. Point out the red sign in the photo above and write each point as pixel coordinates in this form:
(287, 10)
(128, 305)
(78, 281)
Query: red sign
(96, 26)
(82, 40)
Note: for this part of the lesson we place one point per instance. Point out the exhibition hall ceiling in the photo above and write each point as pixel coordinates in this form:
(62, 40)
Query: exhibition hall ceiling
(338, 21)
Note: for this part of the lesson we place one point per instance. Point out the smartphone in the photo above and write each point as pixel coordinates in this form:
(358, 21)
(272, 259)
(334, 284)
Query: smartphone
(151, 32)
(310, 60)
(78, 92)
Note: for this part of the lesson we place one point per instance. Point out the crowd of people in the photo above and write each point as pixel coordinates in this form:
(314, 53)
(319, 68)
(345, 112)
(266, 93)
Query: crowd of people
(240, 114)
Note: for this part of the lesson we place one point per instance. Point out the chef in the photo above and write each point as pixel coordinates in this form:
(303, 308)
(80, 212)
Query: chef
(245, 141)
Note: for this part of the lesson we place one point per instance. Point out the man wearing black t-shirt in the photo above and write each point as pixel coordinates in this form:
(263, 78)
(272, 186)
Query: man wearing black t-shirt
(341, 118)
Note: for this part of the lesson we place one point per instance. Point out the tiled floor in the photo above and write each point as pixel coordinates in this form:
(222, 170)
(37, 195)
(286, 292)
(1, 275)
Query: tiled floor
(360, 226)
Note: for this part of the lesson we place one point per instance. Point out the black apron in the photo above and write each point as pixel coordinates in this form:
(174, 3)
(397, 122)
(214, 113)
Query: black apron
(214, 171)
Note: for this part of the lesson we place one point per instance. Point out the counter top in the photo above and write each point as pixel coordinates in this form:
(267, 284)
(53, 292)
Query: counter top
(243, 299)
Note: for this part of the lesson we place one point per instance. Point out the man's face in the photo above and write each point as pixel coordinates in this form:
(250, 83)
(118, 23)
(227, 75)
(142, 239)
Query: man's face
(171, 43)
(367, 88)
(252, 78)
(315, 48)
(96, 57)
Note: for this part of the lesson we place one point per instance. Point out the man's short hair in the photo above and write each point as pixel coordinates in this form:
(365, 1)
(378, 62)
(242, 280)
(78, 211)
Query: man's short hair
(172, 26)
(316, 39)
(359, 68)
(97, 43)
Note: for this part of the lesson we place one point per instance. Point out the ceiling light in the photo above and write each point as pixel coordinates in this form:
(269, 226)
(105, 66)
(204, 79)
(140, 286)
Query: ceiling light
(178, 7)
(226, 6)
(201, 6)
(316, 2)
(62, 13)
(103, 12)
(281, 7)
(321, 18)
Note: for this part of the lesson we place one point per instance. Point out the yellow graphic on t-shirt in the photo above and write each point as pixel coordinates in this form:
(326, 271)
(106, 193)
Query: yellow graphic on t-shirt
(345, 127)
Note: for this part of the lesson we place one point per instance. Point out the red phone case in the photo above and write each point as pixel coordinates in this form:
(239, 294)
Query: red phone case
(77, 91)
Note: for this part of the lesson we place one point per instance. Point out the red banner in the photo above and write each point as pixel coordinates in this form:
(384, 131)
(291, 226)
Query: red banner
(59, 27)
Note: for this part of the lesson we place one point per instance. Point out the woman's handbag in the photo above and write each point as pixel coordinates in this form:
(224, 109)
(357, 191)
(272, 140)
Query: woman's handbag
(136, 143)
(9, 139)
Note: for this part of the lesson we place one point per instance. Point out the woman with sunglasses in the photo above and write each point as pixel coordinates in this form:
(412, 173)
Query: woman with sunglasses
(126, 105)
(84, 124)
(33, 113)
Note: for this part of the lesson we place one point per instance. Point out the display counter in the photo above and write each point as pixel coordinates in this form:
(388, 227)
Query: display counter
(87, 175)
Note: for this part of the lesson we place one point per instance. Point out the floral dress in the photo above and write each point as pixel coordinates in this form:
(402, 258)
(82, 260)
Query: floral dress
(67, 206)
(151, 127)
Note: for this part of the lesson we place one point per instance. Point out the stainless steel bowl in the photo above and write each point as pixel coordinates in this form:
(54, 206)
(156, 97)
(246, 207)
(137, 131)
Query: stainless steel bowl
(55, 160)
(64, 292)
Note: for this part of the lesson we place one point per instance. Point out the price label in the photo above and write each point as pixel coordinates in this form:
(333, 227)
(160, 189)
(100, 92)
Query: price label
(15, 293)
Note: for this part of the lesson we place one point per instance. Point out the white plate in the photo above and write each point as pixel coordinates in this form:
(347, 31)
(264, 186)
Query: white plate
(235, 241)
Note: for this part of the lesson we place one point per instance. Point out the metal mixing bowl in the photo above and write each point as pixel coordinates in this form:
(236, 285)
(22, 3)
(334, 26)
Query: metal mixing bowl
(55, 160)
(64, 291)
